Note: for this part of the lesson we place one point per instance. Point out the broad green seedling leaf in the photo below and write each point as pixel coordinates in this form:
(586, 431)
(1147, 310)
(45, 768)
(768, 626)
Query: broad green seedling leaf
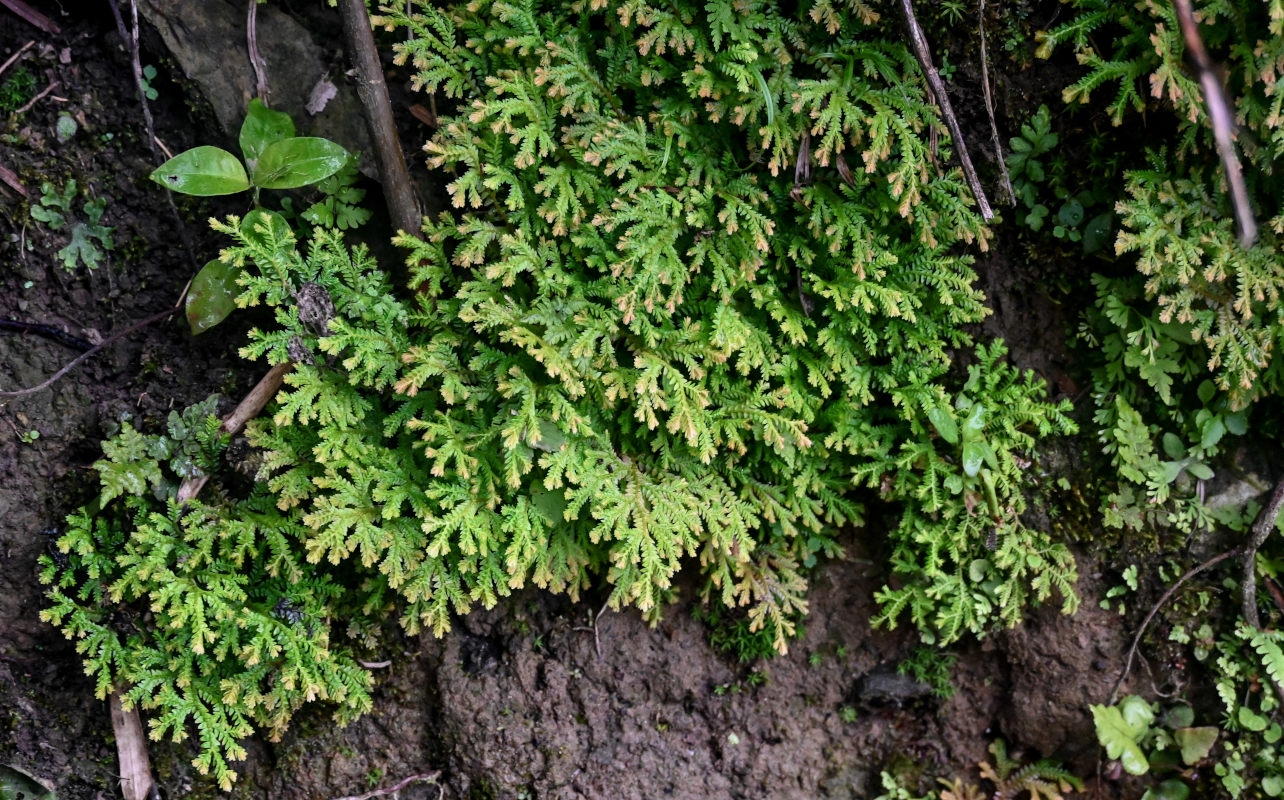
(974, 425)
(212, 296)
(204, 172)
(973, 457)
(263, 127)
(1120, 729)
(291, 163)
(943, 421)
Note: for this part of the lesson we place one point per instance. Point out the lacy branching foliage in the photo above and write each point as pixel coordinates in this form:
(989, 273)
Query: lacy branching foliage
(1203, 307)
(1176, 214)
(671, 325)
(645, 340)
(205, 615)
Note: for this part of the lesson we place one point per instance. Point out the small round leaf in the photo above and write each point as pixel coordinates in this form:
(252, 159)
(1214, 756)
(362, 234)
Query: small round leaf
(943, 421)
(204, 172)
(1171, 789)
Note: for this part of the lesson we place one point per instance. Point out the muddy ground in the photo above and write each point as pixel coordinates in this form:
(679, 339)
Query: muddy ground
(537, 698)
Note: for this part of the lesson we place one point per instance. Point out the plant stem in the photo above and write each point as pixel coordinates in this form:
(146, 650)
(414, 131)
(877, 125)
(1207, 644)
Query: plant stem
(110, 340)
(373, 92)
(918, 43)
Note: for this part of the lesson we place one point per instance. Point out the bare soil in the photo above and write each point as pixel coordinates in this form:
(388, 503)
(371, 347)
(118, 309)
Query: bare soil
(537, 698)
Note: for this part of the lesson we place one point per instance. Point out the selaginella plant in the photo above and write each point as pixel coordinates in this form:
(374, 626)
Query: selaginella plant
(1190, 339)
(209, 614)
(672, 320)
(704, 291)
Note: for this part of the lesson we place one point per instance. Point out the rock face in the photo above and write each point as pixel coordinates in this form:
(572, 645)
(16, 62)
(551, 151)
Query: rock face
(208, 41)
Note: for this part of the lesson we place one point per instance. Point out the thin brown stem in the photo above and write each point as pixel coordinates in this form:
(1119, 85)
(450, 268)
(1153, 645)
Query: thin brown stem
(110, 340)
(245, 411)
(30, 103)
(252, 47)
(130, 38)
(373, 92)
(1222, 120)
(427, 777)
(989, 110)
(1262, 528)
(1164, 598)
(17, 55)
(918, 43)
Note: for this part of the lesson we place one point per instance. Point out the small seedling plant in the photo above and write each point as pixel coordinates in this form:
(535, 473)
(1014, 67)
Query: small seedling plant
(272, 157)
(1142, 741)
(89, 239)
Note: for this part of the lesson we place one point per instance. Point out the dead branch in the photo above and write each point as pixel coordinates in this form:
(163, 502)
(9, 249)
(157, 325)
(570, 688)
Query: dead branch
(1164, 598)
(427, 777)
(989, 110)
(43, 93)
(131, 748)
(1222, 120)
(32, 16)
(10, 179)
(47, 331)
(130, 38)
(1262, 528)
(245, 411)
(373, 91)
(16, 55)
(252, 47)
(597, 637)
(918, 43)
(110, 340)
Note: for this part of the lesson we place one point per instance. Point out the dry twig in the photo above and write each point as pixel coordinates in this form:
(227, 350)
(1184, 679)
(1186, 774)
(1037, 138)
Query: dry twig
(252, 47)
(1222, 119)
(373, 91)
(989, 109)
(110, 340)
(130, 38)
(32, 16)
(1262, 528)
(17, 55)
(918, 43)
(427, 777)
(47, 331)
(245, 411)
(1164, 598)
(597, 638)
(11, 180)
(43, 93)
(131, 748)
